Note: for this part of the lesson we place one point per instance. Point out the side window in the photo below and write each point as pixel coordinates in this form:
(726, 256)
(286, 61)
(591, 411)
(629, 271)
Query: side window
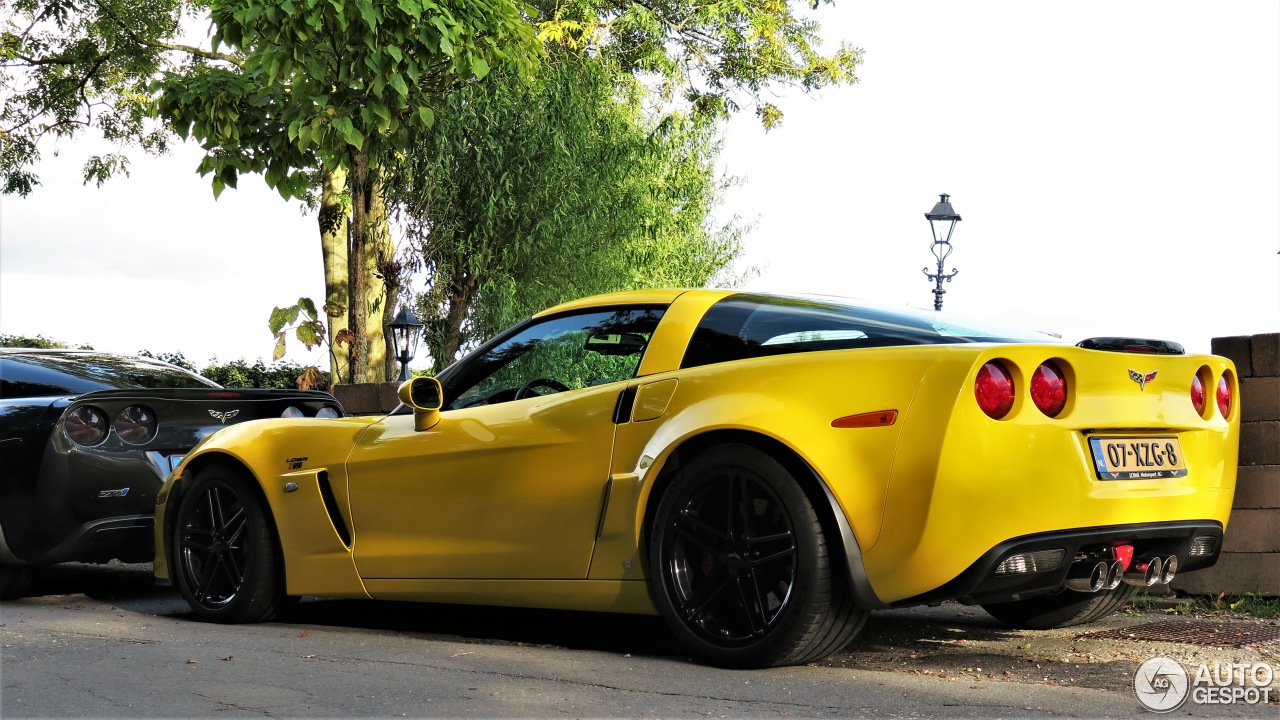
(558, 354)
(746, 326)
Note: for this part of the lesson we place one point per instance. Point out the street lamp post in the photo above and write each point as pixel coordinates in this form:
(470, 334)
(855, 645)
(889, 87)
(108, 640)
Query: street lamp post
(406, 330)
(942, 221)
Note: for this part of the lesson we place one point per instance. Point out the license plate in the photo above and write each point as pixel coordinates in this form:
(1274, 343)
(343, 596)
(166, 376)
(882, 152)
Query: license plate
(1137, 458)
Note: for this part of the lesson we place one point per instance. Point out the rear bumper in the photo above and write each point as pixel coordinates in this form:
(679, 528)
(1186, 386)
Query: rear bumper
(979, 583)
(127, 538)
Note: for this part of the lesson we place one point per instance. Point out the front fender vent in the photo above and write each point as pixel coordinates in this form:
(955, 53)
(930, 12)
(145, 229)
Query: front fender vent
(331, 505)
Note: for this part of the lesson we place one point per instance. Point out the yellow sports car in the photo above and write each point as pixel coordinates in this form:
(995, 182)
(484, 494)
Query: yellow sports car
(760, 470)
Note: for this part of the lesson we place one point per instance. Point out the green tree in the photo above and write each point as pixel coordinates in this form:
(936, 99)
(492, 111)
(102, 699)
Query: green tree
(718, 55)
(68, 66)
(530, 191)
(39, 341)
(334, 85)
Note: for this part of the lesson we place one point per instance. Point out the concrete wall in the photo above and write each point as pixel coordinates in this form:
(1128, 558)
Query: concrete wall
(1250, 559)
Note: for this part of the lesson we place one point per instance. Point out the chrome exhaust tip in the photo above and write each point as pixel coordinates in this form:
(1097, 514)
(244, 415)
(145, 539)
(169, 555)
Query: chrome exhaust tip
(1114, 575)
(1145, 572)
(1096, 581)
(1170, 569)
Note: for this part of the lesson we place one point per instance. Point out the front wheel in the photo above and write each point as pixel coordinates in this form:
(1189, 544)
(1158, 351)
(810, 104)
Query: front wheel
(1064, 609)
(740, 566)
(225, 551)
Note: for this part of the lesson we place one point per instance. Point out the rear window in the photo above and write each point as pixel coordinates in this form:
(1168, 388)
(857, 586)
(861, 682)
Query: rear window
(47, 374)
(746, 326)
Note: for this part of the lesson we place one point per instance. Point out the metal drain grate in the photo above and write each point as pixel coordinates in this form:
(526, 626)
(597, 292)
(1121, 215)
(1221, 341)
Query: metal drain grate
(1233, 635)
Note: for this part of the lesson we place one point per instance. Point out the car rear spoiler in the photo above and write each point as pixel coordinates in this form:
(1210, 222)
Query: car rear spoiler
(1133, 345)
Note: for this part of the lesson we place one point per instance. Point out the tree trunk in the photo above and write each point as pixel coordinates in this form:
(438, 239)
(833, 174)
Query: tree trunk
(461, 286)
(383, 278)
(358, 312)
(333, 245)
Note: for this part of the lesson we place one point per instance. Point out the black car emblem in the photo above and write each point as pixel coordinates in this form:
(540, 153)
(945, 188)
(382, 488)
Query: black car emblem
(1141, 379)
(223, 417)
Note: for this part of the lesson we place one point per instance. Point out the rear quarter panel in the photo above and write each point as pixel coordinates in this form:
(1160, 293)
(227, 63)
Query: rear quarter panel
(963, 482)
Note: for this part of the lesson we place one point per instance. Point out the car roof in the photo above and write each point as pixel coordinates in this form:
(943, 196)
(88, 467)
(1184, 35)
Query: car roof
(626, 297)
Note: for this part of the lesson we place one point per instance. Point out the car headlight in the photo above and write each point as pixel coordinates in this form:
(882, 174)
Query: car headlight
(86, 425)
(136, 424)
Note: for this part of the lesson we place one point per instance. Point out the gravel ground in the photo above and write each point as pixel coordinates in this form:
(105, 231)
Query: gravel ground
(956, 643)
(952, 643)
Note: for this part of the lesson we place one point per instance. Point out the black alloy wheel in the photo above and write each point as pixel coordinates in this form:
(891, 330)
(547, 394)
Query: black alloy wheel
(224, 550)
(740, 564)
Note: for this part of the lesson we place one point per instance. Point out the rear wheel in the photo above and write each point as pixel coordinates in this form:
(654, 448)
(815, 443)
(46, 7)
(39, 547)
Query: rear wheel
(14, 580)
(225, 550)
(740, 567)
(1063, 609)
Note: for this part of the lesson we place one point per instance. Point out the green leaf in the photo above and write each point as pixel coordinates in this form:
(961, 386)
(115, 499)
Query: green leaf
(278, 352)
(426, 116)
(397, 82)
(479, 67)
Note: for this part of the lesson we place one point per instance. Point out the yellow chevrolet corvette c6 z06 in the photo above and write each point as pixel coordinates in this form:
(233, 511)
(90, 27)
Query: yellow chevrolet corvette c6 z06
(762, 471)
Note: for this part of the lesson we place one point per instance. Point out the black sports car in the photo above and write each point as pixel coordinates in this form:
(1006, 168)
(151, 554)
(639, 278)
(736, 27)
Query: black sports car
(86, 439)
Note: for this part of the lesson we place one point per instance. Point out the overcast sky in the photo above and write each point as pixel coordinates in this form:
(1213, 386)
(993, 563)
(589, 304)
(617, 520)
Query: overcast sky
(1117, 166)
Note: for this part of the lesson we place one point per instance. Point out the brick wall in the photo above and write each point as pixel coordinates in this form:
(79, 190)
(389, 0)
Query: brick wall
(1250, 559)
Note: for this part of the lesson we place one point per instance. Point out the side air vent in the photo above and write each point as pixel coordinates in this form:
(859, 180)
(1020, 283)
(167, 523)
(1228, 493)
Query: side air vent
(331, 505)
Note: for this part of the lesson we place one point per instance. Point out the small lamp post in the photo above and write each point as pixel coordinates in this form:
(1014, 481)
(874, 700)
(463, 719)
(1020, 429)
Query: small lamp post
(406, 330)
(942, 221)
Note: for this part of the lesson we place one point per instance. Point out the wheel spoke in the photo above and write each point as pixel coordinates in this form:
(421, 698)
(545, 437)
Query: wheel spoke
(240, 522)
(733, 506)
(746, 510)
(706, 592)
(231, 568)
(753, 610)
(772, 558)
(207, 572)
(691, 536)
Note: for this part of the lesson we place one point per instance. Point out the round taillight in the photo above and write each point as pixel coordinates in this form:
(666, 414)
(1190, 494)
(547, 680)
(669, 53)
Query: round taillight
(1224, 396)
(993, 389)
(1049, 389)
(86, 425)
(1197, 394)
(292, 412)
(327, 412)
(135, 424)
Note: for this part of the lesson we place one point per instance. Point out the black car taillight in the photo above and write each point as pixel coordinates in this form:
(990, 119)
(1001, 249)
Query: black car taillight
(136, 424)
(86, 425)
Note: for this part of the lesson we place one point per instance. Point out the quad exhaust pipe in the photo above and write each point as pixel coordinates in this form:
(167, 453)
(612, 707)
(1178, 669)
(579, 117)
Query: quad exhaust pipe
(1101, 577)
(1144, 572)
(1152, 571)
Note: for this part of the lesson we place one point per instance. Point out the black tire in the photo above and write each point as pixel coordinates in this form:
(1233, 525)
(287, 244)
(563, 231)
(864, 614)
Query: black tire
(1063, 609)
(740, 567)
(225, 554)
(14, 580)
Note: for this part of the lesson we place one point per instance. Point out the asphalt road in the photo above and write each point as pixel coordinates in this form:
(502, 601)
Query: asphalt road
(104, 642)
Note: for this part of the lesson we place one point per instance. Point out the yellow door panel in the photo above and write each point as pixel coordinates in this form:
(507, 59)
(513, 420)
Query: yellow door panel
(512, 490)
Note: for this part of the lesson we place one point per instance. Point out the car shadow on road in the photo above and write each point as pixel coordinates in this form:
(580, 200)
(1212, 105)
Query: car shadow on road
(607, 632)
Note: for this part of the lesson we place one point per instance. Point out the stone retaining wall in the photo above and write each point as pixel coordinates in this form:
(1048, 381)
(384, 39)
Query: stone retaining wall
(1250, 559)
